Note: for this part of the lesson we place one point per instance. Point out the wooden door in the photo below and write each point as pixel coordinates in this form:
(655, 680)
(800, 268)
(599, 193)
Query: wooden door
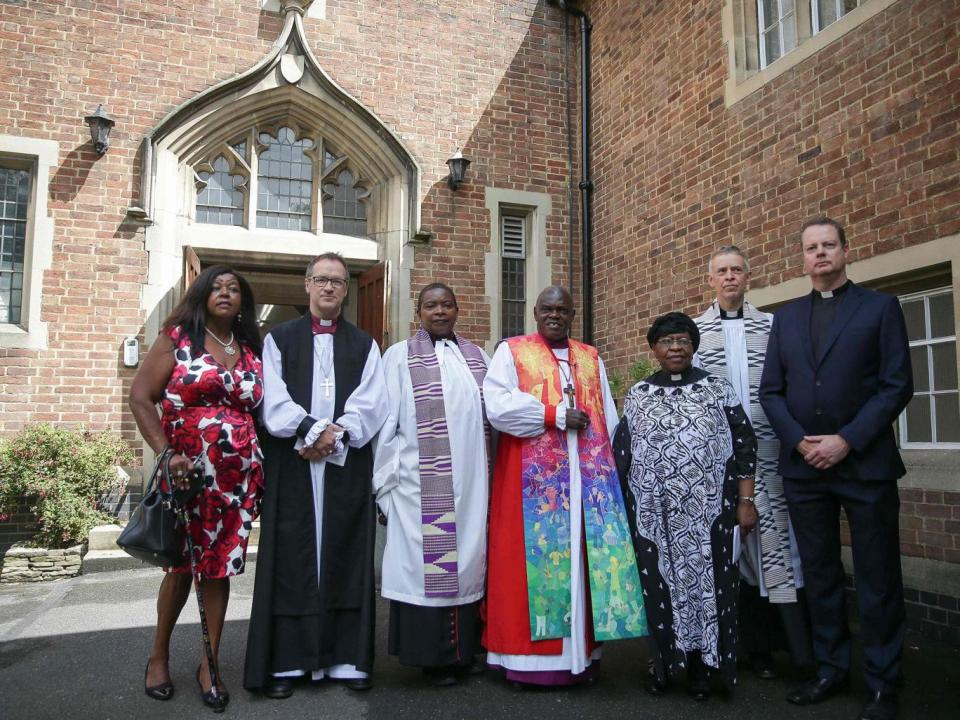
(191, 268)
(372, 302)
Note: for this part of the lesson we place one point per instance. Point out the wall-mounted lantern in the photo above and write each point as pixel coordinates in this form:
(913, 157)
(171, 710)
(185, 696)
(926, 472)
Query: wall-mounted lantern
(100, 125)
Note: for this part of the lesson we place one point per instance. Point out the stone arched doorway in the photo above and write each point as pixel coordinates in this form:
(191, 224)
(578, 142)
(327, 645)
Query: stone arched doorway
(270, 168)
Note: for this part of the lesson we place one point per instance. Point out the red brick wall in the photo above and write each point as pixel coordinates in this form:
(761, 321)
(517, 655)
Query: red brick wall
(866, 131)
(486, 76)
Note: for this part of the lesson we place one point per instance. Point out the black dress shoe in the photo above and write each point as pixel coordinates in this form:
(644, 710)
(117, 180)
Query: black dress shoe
(819, 690)
(763, 666)
(359, 684)
(279, 688)
(441, 676)
(216, 701)
(163, 691)
(880, 706)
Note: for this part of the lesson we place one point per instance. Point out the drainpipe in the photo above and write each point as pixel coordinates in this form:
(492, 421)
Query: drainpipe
(586, 183)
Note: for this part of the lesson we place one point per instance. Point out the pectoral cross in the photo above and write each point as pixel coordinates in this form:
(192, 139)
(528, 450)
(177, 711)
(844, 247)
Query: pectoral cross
(326, 385)
(571, 396)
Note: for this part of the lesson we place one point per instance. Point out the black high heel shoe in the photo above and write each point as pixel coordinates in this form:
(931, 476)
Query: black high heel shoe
(216, 702)
(163, 691)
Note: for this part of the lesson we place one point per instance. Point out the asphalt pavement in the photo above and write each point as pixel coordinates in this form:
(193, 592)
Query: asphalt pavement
(77, 649)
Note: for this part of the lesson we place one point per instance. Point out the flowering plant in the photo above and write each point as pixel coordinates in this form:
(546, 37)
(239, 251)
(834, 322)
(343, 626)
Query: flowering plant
(59, 475)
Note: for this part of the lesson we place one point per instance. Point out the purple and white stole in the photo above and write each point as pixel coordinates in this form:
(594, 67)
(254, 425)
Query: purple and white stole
(438, 520)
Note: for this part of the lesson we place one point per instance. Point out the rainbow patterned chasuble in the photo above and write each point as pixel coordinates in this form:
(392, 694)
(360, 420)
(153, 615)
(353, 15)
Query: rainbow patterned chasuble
(611, 565)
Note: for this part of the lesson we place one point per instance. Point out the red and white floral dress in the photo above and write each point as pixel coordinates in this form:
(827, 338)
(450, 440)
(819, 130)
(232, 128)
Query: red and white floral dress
(207, 416)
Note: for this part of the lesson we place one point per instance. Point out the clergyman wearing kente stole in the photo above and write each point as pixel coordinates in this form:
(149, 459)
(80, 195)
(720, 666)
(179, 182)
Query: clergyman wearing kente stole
(562, 571)
(431, 477)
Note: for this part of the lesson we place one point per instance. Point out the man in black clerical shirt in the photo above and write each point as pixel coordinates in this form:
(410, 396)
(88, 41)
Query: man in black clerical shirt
(837, 374)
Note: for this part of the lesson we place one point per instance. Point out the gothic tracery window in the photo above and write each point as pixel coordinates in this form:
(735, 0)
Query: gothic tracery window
(285, 182)
(279, 167)
(220, 199)
(343, 209)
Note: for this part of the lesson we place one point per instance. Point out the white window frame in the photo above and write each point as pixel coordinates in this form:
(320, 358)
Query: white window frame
(762, 26)
(815, 13)
(927, 342)
(41, 157)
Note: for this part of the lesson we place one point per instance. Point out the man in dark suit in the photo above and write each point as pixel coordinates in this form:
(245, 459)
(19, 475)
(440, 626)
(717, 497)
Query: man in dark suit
(837, 375)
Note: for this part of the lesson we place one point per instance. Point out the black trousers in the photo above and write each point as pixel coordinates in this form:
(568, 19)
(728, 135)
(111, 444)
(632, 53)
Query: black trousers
(873, 513)
(765, 626)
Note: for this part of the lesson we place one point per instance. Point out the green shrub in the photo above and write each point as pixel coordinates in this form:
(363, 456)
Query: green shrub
(60, 475)
(641, 370)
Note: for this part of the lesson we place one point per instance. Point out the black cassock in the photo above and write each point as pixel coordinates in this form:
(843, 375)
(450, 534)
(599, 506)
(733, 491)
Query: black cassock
(297, 622)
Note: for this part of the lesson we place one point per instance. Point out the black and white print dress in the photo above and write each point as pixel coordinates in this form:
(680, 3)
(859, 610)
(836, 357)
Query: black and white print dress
(682, 445)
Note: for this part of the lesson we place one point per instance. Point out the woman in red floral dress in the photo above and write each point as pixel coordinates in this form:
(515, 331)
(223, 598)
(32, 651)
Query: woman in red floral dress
(204, 370)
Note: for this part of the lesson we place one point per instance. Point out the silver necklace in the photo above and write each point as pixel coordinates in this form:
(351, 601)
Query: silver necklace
(227, 346)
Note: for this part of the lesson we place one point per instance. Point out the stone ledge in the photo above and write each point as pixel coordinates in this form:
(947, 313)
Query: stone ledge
(105, 556)
(29, 564)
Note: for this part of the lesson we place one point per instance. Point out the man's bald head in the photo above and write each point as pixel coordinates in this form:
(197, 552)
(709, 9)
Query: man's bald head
(553, 294)
(554, 313)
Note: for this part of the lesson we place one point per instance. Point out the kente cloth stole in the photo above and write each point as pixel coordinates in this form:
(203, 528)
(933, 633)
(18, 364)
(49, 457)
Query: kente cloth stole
(438, 520)
(615, 593)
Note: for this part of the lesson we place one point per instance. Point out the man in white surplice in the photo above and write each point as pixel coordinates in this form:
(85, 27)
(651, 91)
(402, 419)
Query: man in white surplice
(324, 401)
(733, 345)
(436, 629)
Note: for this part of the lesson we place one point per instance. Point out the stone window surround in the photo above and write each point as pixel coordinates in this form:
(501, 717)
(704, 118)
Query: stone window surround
(539, 267)
(42, 157)
(926, 469)
(739, 28)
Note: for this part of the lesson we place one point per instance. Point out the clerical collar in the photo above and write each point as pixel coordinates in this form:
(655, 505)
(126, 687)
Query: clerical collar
(437, 338)
(691, 374)
(321, 326)
(732, 314)
(556, 344)
(827, 294)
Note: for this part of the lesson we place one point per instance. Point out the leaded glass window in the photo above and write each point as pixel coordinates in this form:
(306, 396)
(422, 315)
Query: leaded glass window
(220, 201)
(281, 178)
(14, 199)
(285, 182)
(343, 209)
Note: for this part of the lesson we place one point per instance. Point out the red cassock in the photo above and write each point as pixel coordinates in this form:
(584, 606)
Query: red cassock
(507, 629)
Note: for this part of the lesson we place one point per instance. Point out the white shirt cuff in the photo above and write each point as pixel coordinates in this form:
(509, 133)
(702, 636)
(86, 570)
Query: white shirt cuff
(561, 416)
(318, 427)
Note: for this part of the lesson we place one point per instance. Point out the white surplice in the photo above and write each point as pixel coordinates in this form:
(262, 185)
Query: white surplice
(513, 411)
(738, 371)
(396, 478)
(363, 415)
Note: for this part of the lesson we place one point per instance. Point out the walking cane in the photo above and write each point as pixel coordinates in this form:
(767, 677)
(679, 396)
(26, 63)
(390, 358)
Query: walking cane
(216, 697)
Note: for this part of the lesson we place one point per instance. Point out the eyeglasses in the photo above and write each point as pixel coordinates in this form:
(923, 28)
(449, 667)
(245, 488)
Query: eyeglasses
(321, 281)
(668, 342)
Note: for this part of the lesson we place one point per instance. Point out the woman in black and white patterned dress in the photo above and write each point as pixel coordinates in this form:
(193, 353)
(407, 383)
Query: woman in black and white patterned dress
(686, 455)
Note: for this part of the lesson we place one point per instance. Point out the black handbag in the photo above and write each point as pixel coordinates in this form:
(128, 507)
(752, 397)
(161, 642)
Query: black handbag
(154, 534)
